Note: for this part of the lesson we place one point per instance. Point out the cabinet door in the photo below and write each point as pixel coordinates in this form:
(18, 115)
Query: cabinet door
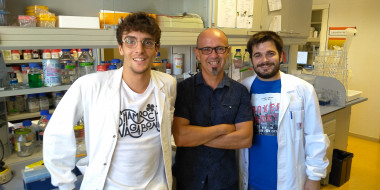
(295, 16)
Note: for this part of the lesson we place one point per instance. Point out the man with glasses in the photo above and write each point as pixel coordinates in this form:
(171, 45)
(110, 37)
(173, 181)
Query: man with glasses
(212, 118)
(127, 114)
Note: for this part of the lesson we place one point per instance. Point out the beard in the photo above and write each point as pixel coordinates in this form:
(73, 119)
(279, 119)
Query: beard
(267, 75)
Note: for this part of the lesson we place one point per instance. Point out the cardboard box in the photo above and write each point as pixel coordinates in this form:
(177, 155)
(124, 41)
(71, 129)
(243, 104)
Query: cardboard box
(107, 17)
(77, 22)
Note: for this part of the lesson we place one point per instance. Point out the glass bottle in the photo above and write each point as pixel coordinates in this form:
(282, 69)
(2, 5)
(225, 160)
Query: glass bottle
(246, 59)
(12, 106)
(41, 125)
(157, 63)
(43, 101)
(34, 76)
(24, 73)
(116, 62)
(238, 61)
(24, 139)
(68, 73)
(57, 98)
(86, 63)
(112, 67)
(32, 103)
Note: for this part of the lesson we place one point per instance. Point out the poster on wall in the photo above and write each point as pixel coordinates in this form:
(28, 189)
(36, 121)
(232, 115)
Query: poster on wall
(337, 36)
(226, 13)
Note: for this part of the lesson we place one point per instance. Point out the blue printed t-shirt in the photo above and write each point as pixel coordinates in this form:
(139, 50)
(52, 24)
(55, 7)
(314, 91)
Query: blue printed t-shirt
(265, 99)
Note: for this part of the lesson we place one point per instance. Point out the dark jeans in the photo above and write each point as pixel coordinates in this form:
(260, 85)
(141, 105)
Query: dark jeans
(234, 186)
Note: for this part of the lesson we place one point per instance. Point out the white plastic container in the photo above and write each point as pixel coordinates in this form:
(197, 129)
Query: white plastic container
(177, 64)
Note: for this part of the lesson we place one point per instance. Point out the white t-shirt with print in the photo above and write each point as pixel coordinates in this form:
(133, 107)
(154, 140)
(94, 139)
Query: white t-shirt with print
(137, 162)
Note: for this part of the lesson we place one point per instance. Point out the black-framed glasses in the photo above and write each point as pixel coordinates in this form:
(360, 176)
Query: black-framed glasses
(131, 42)
(218, 50)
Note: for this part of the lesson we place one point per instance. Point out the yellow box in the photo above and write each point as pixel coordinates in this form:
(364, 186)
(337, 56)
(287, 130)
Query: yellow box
(112, 17)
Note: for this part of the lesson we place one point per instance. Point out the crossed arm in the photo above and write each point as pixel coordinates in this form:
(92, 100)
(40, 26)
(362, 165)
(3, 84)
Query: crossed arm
(226, 136)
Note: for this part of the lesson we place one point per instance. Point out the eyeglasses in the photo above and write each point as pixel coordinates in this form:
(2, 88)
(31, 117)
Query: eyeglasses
(208, 50)
(131, 42)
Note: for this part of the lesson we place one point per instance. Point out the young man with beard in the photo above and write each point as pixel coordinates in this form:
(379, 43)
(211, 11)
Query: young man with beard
(212, 118)
(127, 114)
(289, 147)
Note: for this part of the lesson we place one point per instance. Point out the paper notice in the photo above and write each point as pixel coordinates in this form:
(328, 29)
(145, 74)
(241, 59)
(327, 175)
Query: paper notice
(275, 24)
(274, 5)
(226, 13)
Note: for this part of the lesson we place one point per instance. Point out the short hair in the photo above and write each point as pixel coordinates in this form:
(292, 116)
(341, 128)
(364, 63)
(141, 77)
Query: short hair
(265, 36)
(141, 22)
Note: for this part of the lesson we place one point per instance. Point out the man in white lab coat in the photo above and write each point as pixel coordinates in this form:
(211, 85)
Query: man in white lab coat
(127, 115)
(289, 146)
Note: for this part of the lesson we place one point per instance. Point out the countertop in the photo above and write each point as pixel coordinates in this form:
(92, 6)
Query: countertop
(328, 109)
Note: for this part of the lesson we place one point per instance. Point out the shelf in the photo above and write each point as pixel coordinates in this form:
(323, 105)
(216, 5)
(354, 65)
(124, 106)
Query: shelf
(58, 38)
(313, 40)
(6, 93)
(22, 116)
(22, 61)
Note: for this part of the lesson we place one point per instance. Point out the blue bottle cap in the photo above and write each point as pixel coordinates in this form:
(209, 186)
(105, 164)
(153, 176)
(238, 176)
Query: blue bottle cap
(42, 94)
(58, 94)
(85, 49)
(115, 61)
(31, 95)
(33, 65)
(44, 112)
(12, 98)
(112, 67)
(66, 50)
(48, 116)
(26, 123)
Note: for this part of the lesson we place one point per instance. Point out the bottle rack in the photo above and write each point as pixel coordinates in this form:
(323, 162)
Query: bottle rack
(332, 63)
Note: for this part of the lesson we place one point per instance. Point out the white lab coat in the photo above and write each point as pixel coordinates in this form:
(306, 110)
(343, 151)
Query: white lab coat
(301, 152)
(96, 97)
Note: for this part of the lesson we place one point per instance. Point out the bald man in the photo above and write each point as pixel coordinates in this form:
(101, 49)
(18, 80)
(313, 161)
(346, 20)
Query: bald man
(212, 119)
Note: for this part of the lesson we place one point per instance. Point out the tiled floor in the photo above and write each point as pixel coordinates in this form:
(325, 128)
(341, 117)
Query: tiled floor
(365, 167)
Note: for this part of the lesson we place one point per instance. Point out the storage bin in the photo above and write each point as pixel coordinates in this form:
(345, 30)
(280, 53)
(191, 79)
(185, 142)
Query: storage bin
(341, 167)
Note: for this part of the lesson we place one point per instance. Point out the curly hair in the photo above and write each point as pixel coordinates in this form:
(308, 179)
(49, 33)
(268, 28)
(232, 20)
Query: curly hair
(141, 22)
(265, 36)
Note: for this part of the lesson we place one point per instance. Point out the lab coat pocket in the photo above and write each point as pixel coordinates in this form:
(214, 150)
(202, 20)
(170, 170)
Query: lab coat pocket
(82, 165)
(297, 121)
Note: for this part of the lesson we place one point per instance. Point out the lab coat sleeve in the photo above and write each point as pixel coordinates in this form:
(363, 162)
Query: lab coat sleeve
(316, 142)
(59, 145)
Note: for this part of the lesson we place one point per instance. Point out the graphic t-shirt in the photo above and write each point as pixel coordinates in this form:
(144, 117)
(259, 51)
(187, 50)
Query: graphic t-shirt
(137, 162)
(265, 99)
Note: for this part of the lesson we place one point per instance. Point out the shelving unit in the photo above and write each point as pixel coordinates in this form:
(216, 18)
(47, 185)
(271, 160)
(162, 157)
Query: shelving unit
(22, 61)
(26, 115)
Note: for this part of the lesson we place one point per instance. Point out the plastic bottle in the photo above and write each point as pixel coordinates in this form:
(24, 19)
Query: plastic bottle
(24, 73)
(116, 62)
(238, 61)
(27, 54)
(34, 76)
(68, 73)
(57, 98)
(246, 59)
(86, 63)
(79, 137)
(157, 63)
(46, 54)
(15, 54)
(55, 53)
(43, 101)
(35, 54)
(41, 125)
(32, 103)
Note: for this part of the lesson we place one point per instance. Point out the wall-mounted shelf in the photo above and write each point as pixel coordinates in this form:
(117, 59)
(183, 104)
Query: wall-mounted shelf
(21, 116)
(22, 61)
(5, 93)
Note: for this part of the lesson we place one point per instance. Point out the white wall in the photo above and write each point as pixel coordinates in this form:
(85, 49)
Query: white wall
(363, 59)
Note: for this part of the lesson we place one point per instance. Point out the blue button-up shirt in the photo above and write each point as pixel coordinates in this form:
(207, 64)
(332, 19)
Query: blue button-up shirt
(229, 103)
